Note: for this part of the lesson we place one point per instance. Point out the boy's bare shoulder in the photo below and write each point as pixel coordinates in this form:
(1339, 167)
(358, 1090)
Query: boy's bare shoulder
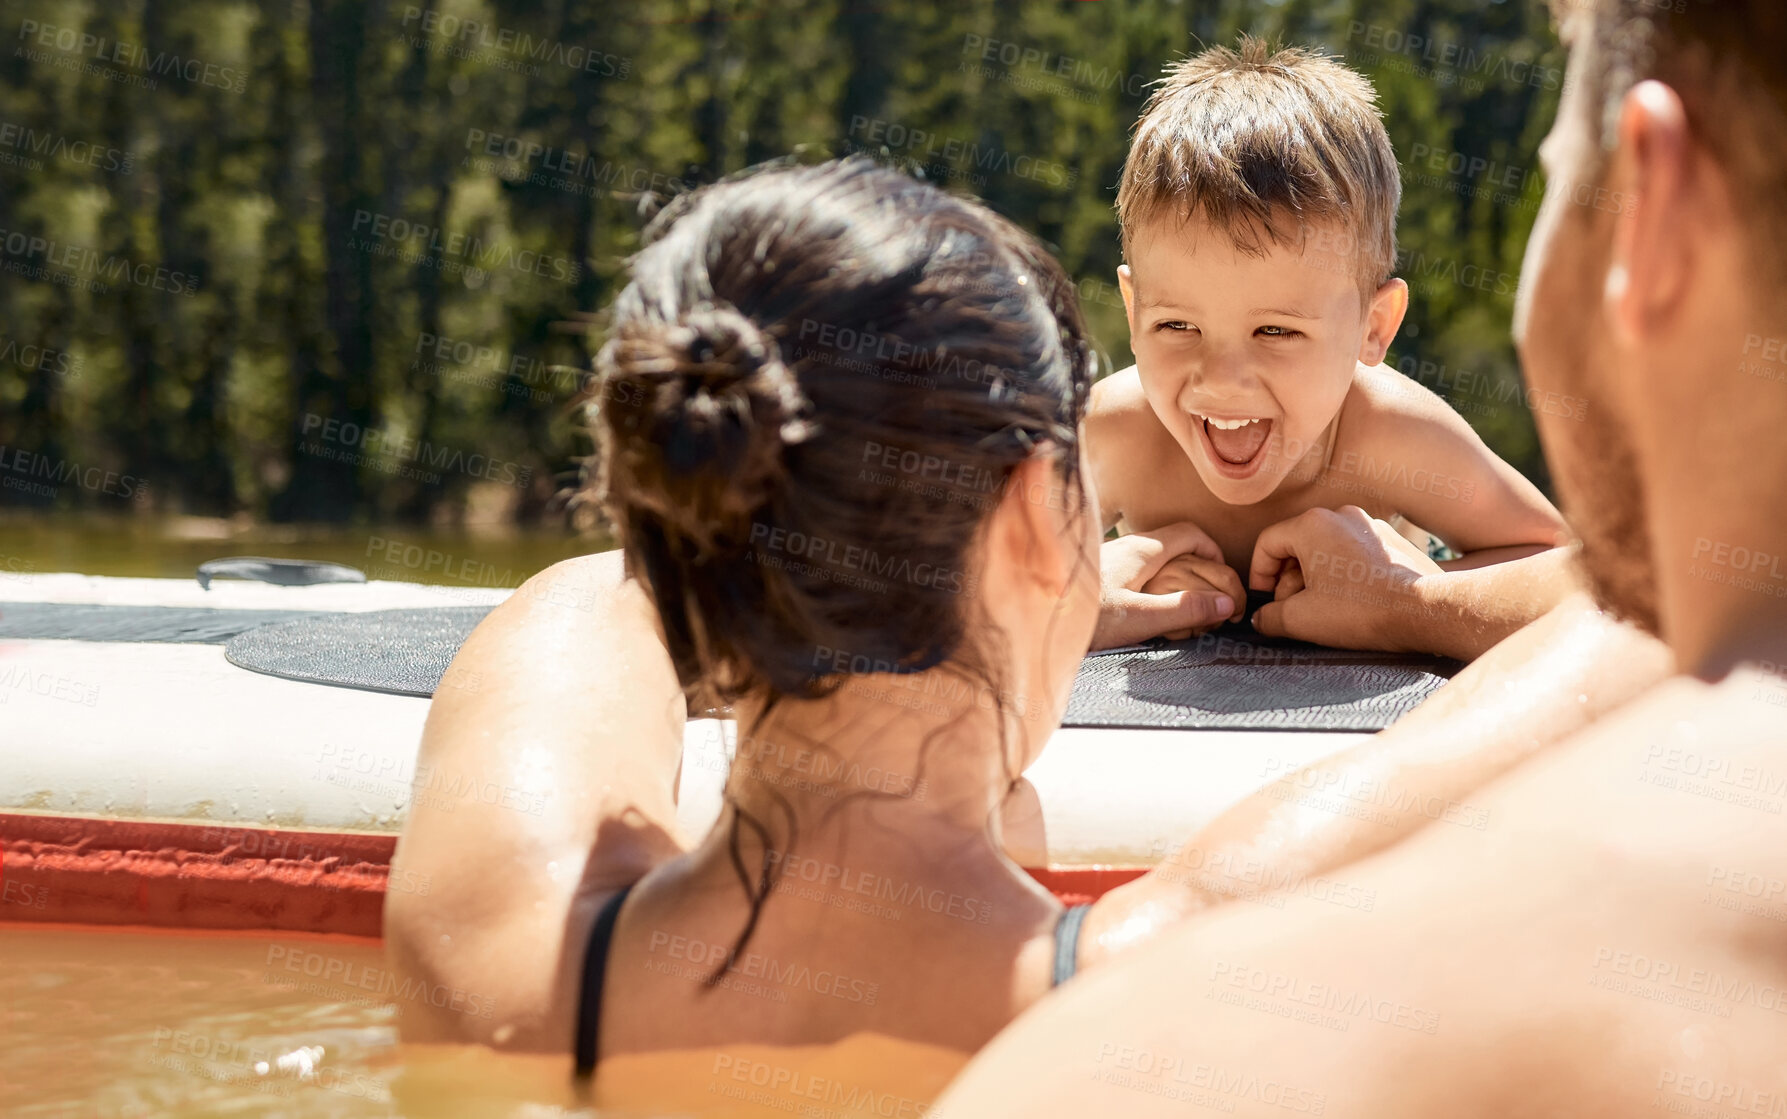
(1120, 426)
(1118, 401)
(1124, 439)
(1381, 398)
(1386, 411)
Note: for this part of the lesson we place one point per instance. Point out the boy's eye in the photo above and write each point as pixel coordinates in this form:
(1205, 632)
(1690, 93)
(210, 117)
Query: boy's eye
(1175, 325)
(1280, 332)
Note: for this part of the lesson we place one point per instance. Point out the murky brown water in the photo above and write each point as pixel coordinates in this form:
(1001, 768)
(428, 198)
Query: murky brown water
(133, 1025)
(139, 1024)
(173, 547)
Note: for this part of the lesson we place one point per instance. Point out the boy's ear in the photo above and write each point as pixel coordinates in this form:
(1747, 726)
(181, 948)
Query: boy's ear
(1383, 318)
(1126, 285)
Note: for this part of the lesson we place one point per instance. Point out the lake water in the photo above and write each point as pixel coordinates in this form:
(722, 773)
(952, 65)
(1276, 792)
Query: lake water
(150, 1024)
(106, 1024)
(173, 547)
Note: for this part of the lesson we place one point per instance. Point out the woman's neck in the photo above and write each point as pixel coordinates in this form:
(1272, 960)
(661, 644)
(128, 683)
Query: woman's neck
(920, 756)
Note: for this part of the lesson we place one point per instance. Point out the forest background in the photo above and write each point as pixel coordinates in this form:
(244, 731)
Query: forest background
(344, 261)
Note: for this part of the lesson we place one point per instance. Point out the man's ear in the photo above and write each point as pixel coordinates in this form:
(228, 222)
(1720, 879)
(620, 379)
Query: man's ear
(1126, 285)
(1383, 318)
(1653, 239)
(1027, 537)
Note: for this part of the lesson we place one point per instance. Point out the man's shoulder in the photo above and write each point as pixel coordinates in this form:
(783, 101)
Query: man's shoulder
(1744, 708)
(1601, 881)
(1736, 722)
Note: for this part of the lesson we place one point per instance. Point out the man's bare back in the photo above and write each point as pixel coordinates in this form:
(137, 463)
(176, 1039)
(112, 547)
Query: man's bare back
(1590, 965)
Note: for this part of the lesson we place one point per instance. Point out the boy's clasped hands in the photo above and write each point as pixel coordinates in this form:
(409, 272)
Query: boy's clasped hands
(1172, 582)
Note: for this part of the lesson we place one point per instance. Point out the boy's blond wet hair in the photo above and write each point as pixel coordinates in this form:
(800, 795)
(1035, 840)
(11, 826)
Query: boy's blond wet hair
(1267, 144)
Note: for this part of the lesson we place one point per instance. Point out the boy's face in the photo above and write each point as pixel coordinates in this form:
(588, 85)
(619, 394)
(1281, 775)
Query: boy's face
(1246, 359)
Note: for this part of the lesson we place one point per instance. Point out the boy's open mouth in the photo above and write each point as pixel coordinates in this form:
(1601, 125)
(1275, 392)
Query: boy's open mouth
(1235, 444)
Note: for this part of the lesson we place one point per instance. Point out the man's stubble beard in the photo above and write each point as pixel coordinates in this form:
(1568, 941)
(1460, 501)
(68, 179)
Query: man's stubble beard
(1592, 459)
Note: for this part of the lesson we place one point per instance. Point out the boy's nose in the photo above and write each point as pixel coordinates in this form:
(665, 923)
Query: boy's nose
(1219, 377)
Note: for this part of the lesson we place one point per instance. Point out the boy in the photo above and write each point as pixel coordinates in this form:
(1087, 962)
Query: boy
(1258, 213)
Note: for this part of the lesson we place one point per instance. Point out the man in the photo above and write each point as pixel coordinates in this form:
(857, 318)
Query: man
(1605, 930)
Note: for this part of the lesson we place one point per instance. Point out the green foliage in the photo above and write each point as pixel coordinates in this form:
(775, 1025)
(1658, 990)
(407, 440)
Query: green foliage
(237, 226)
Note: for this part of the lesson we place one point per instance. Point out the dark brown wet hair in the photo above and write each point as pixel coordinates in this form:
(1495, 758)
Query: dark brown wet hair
(814, 392)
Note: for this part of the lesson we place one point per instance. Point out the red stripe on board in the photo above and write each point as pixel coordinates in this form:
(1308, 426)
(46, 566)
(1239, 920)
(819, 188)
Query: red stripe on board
(198, 876)
(71, 870)
(1076, 885)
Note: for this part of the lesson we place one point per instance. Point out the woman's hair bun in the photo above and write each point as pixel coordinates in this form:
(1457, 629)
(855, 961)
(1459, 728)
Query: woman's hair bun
(696, 414)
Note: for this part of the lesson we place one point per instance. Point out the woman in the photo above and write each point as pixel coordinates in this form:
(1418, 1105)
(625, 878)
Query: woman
(838, 421)
(838, 426)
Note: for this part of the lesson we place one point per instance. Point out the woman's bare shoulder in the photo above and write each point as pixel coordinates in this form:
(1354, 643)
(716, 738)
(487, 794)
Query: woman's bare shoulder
(563, 714)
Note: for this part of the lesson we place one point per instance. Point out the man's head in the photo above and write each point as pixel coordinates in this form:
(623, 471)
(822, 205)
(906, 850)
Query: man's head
(1644, 307)
(1258, 210)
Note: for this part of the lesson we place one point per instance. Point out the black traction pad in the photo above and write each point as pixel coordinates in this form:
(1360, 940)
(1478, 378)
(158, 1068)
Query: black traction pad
(403, 652)
(180, 625)
(1234, 679)
(1230, 679)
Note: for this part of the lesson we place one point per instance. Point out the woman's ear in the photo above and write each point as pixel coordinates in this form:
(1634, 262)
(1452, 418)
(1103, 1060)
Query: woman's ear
(1383, 318)
(1029, 537)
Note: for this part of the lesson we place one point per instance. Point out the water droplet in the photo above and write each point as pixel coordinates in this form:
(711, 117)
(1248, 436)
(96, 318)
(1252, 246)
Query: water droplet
(445, 939)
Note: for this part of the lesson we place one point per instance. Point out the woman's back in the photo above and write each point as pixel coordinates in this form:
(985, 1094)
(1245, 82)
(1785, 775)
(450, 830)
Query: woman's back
(899, 946)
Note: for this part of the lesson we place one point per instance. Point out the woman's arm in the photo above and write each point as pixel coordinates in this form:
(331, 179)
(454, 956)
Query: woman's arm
(1539, 686)
(546, 780)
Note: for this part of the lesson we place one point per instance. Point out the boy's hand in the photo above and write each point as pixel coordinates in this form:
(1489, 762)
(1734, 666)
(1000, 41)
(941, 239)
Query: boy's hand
(1339, 577)
(1133, 612)
(1189, 572)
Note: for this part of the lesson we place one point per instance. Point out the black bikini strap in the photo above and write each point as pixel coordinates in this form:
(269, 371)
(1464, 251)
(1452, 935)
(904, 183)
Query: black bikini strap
(595, 970)
(1067, 942)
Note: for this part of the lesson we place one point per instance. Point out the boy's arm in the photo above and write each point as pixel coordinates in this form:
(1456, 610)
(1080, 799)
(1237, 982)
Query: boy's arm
(1343, 578)
(1436, 472)
(1443, 477)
